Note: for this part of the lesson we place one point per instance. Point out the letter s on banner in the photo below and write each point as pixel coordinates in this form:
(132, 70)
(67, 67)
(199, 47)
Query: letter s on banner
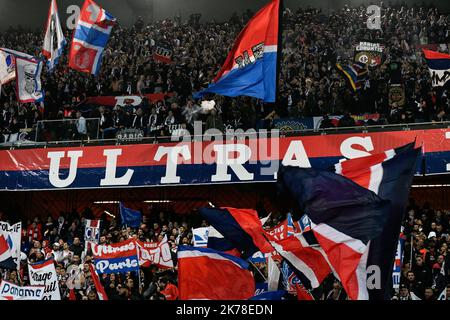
(350, 153)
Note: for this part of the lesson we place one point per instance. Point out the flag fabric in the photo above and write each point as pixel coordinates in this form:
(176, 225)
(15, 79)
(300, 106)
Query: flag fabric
(251, 66)
(162, 53)
(156, 253)
(44, 274)
(292, 283)
(241, 227)
(121, 257)
(290, 228)
(200, 237)
(98, 285)
(216, 241)
(389, 175)
(439, 66)
(90, 38)
(10, 245)
(92, 231)
(356, 74)
(72, 296)
(309, 264)
(273, 274)
(6, 260)
(398, 262)
(8, 64)
(212, 275)
(54, 41)
(7, 67)
(28, 80)
(11, 291)
(304, 224)
(344, 218)
(131, 218)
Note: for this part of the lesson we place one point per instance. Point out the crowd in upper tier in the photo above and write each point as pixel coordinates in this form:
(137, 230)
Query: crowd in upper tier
(310, 85)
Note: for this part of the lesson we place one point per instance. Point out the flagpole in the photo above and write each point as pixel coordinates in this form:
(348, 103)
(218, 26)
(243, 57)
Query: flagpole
(279, 53)
(259, 271)
(411, 253)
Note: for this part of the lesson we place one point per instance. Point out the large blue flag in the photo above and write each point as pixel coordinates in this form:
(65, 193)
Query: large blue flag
(131, 218)
(251, 66)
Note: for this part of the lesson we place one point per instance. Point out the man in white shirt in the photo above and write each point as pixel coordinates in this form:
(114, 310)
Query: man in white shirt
(81, 127)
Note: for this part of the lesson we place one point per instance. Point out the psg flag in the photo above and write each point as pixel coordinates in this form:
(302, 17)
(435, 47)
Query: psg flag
(251, 66)
(241, 227)
(344, 216)
(54, 41)
(213, 275)
(389, 175)
(90, 38)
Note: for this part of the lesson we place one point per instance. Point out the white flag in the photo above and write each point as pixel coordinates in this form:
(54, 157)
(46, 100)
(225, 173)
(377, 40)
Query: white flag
(28, 73)
(200, 237)
(44, 274)
(11, 291)
(54, 40)
(273, 275)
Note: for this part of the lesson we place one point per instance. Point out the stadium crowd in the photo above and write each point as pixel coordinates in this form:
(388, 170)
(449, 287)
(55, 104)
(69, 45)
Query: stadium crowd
(310, 85)
(425, 269)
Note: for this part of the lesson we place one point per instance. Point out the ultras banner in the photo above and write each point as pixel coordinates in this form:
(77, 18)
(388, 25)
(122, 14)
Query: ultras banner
(205, 162)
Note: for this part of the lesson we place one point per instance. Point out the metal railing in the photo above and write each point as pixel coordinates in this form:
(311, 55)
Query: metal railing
(66, 130)
(92, 140)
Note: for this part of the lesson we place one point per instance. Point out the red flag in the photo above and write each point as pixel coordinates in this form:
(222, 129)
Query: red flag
(98, 285)
(72, 296)
(212, 275)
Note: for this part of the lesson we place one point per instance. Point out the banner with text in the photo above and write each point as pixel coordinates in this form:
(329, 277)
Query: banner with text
(205, 162)
(44, 274)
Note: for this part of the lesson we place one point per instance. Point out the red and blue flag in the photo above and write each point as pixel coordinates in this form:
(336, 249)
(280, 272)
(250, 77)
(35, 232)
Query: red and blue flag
(344, 218)
(90, 38)
(241, 227)
(207, 274)
(251, 66)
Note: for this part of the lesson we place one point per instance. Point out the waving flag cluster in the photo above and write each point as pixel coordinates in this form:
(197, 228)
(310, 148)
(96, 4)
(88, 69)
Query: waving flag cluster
(251, 66)
(90, 38)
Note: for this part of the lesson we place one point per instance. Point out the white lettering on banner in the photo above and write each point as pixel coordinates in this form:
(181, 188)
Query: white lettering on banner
(74, 13)
(103, 265)
(99, 250)
(172, 161)
(350, 153)
(46, 276)
(55, 162)
(15, 292)
(447, 136)
(134, 100)
(224, 161)
(111, 168)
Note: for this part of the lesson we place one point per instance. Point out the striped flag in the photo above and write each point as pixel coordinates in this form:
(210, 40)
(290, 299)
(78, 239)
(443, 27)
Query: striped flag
(98, 285)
